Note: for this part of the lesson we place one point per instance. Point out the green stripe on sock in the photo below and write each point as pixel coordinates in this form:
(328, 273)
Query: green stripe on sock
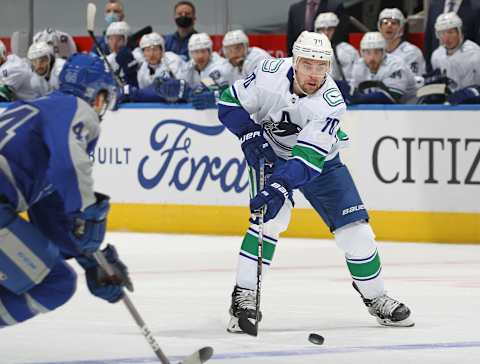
(250, 245)
(364, 270)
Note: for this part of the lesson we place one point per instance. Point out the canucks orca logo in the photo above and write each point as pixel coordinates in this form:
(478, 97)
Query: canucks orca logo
(282, 128)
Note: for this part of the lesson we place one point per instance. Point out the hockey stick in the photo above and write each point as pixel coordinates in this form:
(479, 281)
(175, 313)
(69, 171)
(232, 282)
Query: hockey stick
(91, 11)
(243, 321)
(198, 357)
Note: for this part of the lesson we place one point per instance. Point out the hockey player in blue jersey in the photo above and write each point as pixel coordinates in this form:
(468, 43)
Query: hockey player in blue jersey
(45, 170)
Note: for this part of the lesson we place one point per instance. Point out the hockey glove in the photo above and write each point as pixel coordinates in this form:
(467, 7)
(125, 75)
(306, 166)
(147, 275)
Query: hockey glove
(99, 283)
(255, 146)
(172, 90)
(205, 99)
(129, 66)
(467, 95)
(89, 226)
(272, 197)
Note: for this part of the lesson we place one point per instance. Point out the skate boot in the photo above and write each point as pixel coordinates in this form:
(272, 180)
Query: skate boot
(243, 303)
(387, 311)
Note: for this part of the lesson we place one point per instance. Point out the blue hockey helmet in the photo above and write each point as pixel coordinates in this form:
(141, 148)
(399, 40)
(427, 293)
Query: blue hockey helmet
(85, 76)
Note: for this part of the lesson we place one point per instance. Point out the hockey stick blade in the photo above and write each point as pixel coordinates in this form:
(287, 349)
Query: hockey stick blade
(247, 326)
(199, 357)
(91, 11)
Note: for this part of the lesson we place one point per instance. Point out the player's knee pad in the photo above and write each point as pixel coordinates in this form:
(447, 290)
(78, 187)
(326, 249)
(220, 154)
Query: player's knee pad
(280, 223)
(356, 239)
(26, 255)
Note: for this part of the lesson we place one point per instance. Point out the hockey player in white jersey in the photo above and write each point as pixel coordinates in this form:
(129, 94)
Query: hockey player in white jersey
(242, 59)
(46, 68)
(15, 75)
(379, 77)
(288, 113)
(457, 59)
(391, 23)
(344, 54)
(62, 43)
(206, 71)
(124, 62)
(158, 63)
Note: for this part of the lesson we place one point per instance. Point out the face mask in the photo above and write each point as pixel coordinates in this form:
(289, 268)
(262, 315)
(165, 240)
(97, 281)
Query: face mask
(111, 17)
(184, 21)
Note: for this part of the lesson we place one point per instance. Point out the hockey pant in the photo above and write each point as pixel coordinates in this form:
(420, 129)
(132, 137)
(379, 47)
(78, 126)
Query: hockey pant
(335, 198)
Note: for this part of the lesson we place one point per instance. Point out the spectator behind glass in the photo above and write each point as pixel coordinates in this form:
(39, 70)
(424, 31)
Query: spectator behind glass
(185, 19)
(113, 11)
(467, 10)
(302, 14)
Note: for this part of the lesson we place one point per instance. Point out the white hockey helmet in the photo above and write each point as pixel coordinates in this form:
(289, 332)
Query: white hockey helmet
(326, 20)
(448, 21)
(118, 28)
(40, 49)
(391, 13)
(152, 40)
(235, 37)
(373, 40)
(199, 41)
(49, 36)
(3, 50)
(312, 45)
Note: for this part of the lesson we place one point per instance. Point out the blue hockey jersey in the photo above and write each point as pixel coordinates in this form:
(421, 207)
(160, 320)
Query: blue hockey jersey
(44, 148)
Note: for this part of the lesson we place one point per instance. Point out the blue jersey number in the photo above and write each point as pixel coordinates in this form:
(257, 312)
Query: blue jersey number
(12, 119)
(330, 124)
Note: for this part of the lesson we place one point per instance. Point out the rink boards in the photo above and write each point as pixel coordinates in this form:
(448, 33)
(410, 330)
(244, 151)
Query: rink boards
(175, 169)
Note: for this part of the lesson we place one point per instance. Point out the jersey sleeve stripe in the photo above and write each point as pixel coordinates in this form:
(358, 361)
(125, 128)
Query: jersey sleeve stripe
(312, 146)
(228, 98)
(341, 135)
(310, 157)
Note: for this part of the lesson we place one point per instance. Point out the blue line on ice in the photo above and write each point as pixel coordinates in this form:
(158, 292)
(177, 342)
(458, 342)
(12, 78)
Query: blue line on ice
(286, 353)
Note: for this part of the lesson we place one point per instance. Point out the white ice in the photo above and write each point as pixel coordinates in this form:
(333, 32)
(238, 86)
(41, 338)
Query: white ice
(183, 285)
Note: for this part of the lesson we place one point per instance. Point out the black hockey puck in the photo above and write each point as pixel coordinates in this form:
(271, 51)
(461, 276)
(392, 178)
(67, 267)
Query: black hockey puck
(316, 339)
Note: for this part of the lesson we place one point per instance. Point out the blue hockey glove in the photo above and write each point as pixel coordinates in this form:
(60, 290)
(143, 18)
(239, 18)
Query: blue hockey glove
(272, 197)
(172, 90)
(89, 226)
(205, 99)
(255, 146)
(99, 283)
(129, 65)
(467, 95)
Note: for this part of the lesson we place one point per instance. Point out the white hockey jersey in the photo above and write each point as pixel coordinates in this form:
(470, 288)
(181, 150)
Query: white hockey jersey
(16, 73)
(41, 85)
(215, 70)
(306, 128)
(462, 67)
(254, 56)
(169, 67)
(393, 72)
(347, 56)
(412, 56)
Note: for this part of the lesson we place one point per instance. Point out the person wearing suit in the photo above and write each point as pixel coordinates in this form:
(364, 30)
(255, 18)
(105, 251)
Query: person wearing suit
(467, 10)
(302, 14)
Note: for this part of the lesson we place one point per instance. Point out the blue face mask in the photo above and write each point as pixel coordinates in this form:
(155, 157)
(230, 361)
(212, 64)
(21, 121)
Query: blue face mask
(111, 17)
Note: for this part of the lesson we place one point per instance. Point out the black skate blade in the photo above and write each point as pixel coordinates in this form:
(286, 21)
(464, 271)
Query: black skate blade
(247, 326)
(199, 357)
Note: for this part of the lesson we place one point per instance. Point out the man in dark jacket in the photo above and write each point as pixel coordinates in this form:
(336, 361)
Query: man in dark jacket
(302, 14)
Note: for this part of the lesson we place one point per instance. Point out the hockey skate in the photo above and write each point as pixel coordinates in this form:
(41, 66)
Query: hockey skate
(243, 304)
(387, 311)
